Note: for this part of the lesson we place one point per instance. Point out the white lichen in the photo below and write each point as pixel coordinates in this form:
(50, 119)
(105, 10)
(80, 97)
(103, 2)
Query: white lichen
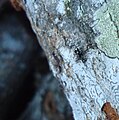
(91, 84)
(61, 7)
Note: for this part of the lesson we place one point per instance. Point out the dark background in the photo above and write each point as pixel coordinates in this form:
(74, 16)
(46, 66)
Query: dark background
(28, 90)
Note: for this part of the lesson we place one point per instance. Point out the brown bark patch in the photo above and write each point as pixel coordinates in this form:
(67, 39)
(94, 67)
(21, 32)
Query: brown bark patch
(16, 4)
(110, 112)
(51, 108)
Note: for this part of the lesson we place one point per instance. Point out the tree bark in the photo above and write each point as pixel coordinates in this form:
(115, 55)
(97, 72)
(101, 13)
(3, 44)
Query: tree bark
(81, 42)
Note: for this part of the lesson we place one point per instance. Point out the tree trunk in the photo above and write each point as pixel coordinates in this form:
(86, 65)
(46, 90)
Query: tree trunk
(81, 41)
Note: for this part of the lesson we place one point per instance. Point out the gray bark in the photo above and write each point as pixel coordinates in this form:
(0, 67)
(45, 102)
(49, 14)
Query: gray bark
(80, 39)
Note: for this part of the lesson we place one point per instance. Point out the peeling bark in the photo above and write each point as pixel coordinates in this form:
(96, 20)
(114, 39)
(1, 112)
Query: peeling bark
(80, 39)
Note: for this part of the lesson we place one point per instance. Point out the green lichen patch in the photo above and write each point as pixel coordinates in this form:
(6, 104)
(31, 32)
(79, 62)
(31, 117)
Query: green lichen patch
(68, 7)
(108, 26)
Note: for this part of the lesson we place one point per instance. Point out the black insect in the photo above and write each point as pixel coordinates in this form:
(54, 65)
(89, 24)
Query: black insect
(80, 55)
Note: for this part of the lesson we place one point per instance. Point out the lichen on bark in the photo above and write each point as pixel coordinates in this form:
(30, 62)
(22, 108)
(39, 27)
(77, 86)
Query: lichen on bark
(107, 23)
(72, 45)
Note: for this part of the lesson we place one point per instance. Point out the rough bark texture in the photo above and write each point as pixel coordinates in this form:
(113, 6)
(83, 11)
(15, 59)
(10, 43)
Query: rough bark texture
(80, 39)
